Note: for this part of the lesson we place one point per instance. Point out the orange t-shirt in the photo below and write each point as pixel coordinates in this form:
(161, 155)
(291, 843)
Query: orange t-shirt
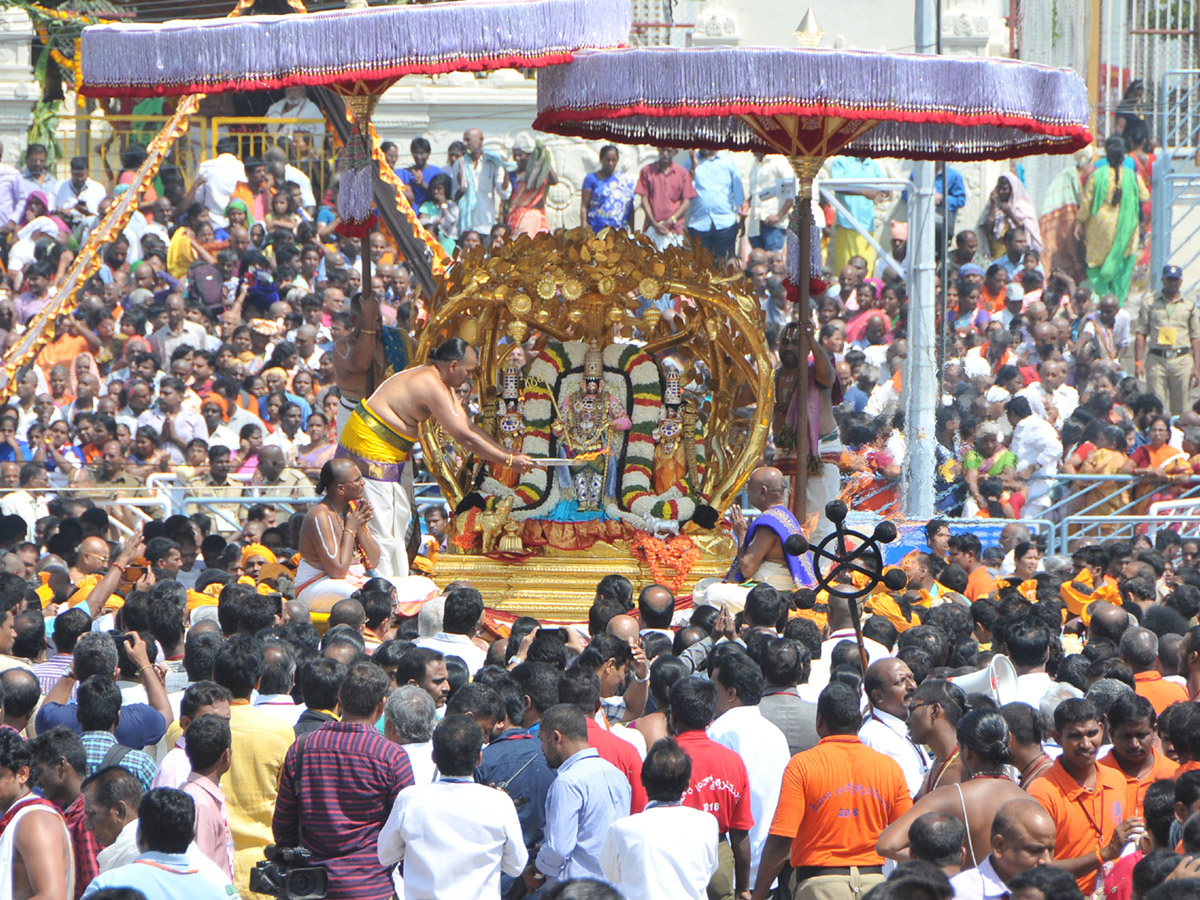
(1160, 692)
(979, 584)
(991, 302)
(1185, 768)
(836, 800)
(1136, 788)
(1084, 820)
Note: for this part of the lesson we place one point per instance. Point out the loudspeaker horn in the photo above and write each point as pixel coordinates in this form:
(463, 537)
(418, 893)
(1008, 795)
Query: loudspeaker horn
(998, 681)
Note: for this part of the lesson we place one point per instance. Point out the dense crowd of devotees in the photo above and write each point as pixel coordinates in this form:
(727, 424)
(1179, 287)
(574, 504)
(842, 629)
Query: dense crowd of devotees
(170, 712)
(158, 738)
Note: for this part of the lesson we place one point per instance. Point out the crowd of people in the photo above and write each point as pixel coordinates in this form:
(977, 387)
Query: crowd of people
(171, 711)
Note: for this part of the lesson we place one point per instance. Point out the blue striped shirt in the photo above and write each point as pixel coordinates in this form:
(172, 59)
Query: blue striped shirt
(97, 743)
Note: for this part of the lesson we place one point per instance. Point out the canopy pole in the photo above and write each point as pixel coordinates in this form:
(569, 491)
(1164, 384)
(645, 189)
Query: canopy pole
(806, 169)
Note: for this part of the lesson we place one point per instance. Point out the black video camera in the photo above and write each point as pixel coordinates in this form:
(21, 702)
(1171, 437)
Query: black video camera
(287, 874)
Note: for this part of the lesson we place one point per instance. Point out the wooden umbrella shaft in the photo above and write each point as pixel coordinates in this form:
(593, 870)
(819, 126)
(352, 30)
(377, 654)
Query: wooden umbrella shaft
(804, 233)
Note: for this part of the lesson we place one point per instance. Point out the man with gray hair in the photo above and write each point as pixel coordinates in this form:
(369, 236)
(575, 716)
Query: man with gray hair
(1011, 535)
(1139, 648)
(278, 679)
(1103, 694)
(409, 718)
(95, 653)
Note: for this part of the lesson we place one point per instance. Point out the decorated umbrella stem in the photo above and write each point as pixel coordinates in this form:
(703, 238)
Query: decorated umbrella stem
(801, 236)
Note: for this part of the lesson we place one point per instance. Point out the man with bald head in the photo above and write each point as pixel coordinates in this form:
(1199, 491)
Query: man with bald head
(336, 546)
(656, 607)
(761, 557)
(1023, 837)
(480, 185)
(623, 627)
(93, 559)
(1108, 621)
(889, 685)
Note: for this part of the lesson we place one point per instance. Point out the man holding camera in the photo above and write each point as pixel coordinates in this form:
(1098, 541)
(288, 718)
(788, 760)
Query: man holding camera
(337, 787)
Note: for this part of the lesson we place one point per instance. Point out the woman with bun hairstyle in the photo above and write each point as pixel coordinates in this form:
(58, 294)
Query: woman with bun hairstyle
(986, 786)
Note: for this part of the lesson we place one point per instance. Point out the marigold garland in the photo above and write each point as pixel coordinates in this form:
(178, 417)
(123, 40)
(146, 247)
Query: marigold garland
(465, 539)
(679, 552)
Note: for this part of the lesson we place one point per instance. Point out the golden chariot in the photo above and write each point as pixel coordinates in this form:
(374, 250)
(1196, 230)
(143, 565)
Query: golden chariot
(668, 360)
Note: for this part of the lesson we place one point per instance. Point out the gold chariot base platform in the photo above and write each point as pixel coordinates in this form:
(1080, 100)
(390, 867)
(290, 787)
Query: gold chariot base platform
(561, 585)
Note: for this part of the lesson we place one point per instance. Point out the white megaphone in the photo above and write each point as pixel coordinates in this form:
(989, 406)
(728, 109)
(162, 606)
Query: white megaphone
(998, 681)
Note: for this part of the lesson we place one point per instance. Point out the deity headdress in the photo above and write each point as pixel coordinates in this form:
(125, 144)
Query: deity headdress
(672, 387)
(510, 380)
(593, 363)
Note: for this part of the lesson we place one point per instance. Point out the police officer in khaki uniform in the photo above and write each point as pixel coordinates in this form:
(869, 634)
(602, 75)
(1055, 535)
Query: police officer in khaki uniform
(1166, 348)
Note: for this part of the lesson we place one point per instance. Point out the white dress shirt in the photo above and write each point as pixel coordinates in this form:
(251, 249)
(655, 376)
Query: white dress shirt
(1031, 687)
(979, 884)
(221, 177)
(455, 837)
(420, 758)
(1035, 443)
(456, 645)
(889, 735)
(92, 194)
(764, 750)
(668, 850)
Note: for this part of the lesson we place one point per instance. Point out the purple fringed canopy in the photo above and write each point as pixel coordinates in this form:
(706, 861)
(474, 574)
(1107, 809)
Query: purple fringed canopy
(376, 44)
(813, 102)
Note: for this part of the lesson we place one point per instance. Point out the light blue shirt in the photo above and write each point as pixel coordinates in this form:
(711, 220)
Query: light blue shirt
(719, 194)
(848, 168)
(162, 876)
(588, 795)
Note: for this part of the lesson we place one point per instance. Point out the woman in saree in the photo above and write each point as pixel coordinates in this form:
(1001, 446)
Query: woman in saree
(1109, 213)
(1157, 462)
(322, 447)
(1107, 457)
(1008, 207)
(533, 177)
(606, 198)
(987, 459)
(1061, 248)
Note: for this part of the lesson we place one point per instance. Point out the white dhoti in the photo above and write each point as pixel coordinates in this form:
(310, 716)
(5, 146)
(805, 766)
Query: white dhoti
(820, 489)
(777, 575)
(344, 411)
(319, 592)
(392, 503)
(663, 241)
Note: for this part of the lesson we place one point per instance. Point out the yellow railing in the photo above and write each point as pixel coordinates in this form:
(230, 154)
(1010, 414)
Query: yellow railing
(102, 139)
(255, 135)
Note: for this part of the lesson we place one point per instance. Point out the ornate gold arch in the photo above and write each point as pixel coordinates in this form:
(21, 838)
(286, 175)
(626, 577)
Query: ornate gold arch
(579, 286)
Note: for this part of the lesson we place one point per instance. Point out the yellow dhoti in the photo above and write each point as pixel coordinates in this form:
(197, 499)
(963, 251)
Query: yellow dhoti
(380, 453)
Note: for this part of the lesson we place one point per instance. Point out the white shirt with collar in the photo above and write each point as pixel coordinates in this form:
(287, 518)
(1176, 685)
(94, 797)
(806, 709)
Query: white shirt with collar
(420, 758)
(456, 645)
(819, 674)
(92, 194)
(979, 884)
(1036, 444)
(455, 818)
(889, 735)
(764, 750)
(280, 705)
(668, 850)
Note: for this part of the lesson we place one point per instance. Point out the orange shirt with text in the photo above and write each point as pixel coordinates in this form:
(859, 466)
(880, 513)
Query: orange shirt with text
(836, 800)
(1084, 820)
